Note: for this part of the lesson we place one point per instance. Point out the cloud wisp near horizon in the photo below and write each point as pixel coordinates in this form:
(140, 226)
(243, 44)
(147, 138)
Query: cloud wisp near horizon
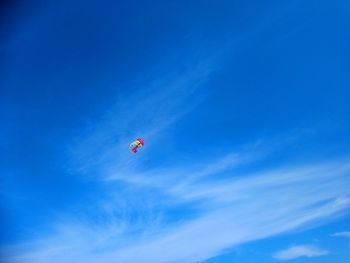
(345, 234)
(245, 209)
(300, 251)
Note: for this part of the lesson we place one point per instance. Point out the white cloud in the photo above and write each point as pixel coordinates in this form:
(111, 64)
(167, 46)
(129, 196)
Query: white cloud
(216, 211)
(342, 234)
(226, 213)
(300, 251)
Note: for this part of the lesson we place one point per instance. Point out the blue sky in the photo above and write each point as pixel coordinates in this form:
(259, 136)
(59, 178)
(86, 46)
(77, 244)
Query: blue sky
(244, 108)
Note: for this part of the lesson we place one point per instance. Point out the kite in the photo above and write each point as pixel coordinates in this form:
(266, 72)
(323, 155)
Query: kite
(135, 145)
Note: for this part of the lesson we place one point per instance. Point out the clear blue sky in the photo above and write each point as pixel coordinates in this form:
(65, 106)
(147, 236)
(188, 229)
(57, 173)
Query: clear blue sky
(244, 108)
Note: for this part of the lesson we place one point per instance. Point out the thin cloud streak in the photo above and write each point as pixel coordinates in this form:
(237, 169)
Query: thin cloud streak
(223, 211)
(300, 251)
(147, 111)
(236, 211)
(345, 234)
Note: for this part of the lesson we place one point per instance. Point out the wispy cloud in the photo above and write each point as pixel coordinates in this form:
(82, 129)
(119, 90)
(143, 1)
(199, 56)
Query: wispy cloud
(147, 110)
(342, 234)
(224, 213)
(220, 206)
(300, 251)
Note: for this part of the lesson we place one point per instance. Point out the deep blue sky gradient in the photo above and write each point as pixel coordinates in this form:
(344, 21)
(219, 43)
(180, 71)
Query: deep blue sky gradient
(280, 71)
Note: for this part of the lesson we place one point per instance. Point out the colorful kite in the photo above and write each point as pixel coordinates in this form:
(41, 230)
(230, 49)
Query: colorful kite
(135, 145)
